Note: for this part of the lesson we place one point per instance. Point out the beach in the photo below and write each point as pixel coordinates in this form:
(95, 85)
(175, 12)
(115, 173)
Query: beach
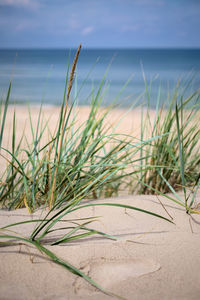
(152, 258)
(126, 122)
(99, 150)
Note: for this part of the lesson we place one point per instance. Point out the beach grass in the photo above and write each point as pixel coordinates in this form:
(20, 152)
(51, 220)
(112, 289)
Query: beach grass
(87, 160)
(172, 162)
(91, 160)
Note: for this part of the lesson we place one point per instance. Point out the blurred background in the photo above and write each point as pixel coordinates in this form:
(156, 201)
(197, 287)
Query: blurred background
(156, 41)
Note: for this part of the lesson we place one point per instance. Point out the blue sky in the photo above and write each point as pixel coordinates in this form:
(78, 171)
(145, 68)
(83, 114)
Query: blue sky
(99, 23)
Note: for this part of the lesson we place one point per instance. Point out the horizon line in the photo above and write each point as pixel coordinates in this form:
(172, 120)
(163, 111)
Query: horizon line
(100, 48)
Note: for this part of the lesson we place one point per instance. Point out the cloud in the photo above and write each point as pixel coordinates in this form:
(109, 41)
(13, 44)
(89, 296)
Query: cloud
(87, 30)
(26, 25)
(27, 3)
(14, 2)
(127, 23)
(74, 23)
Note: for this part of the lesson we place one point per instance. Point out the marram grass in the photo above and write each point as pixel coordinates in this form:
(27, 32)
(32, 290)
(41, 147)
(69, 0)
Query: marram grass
(173, 161)
(91, 161)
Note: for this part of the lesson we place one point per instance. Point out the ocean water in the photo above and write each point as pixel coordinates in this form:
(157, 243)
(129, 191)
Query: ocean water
(39, 75)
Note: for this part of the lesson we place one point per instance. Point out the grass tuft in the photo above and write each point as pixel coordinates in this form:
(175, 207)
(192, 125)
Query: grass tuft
(90, 160)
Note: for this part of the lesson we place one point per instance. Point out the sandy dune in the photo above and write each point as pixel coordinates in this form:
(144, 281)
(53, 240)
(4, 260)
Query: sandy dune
(153, 259)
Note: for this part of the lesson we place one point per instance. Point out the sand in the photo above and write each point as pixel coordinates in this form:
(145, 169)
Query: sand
(153, 259)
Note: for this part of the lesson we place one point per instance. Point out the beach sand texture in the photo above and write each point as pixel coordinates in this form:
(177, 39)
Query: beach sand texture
(153, 259)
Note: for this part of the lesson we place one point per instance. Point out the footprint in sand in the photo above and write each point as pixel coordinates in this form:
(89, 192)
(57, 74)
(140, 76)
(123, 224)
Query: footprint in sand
(113, 272)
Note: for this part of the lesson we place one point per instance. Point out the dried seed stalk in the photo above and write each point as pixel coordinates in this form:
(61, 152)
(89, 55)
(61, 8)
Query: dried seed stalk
(63, 124)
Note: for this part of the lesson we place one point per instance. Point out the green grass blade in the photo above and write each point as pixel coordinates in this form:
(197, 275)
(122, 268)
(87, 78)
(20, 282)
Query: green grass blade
(122, 206)
(4, 114)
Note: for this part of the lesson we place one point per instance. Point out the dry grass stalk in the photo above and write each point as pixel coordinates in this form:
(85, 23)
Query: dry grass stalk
(71, 81)
(63, 124)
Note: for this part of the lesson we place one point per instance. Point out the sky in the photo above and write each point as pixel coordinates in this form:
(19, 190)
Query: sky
(99, 23)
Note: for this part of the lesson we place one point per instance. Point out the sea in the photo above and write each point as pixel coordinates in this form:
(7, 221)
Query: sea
(123, 76)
